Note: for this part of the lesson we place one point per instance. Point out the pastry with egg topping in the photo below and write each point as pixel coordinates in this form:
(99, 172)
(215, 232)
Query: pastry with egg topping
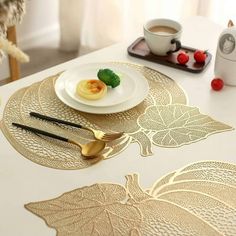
(92, 89)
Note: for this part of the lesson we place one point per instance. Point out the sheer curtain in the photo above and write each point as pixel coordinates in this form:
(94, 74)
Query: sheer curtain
(87, 25)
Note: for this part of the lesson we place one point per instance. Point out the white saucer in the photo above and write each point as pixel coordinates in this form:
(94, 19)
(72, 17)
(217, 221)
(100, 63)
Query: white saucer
(140, 93)
(114, 96)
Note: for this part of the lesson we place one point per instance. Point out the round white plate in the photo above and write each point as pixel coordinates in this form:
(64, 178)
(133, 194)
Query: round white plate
(140, 93)
(114, 96)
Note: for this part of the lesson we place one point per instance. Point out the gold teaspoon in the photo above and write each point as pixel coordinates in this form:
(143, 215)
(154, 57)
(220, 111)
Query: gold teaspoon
(89, 150)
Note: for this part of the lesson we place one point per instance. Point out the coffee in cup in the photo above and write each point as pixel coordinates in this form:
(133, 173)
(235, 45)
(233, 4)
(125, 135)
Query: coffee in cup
(162, 36)
(163, 30)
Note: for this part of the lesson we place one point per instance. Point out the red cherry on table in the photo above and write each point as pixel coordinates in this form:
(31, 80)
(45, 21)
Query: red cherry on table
(217, 84)
(182, 58)
(200, 56)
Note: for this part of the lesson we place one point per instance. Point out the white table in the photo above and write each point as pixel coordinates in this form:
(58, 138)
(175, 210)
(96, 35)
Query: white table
(22, 181)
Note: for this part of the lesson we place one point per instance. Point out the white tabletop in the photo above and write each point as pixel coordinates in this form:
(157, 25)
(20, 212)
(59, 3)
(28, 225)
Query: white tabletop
(23, 181)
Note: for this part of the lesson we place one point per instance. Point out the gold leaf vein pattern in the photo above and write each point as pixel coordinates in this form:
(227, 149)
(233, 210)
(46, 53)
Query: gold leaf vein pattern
(94, 210)
(163, 118)
(189, 207)
(176, 124)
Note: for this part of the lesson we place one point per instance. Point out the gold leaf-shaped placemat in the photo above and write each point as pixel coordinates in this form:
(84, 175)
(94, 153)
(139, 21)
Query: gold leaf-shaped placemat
(110, 209)
(180, 124)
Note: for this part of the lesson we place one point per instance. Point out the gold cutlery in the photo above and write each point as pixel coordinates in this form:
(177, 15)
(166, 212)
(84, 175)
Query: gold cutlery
(98, 134)
(89, 150)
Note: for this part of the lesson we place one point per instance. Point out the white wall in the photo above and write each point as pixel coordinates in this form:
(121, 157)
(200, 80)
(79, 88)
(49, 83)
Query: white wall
(40, 25)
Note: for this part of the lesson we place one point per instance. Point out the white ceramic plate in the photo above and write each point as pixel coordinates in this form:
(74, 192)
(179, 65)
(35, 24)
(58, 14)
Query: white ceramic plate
(140, 93)
(114, 96)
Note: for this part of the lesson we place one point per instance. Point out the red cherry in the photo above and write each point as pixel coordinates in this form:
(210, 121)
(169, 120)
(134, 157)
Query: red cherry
(182, 58)
(200, 56)
(217, 84)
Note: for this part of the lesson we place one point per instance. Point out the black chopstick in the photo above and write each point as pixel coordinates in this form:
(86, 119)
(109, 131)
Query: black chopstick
(39, 131)
(52, 119)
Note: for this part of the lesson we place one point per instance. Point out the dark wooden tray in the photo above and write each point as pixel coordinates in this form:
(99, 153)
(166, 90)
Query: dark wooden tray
(140, 49)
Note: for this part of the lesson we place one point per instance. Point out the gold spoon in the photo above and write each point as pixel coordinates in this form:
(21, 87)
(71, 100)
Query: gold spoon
(89, 150)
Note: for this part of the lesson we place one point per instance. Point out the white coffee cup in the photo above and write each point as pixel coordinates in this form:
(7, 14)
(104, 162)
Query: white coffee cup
(162, 36)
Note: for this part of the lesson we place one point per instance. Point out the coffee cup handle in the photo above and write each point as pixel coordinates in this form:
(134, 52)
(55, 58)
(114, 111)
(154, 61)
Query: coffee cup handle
(178, 45)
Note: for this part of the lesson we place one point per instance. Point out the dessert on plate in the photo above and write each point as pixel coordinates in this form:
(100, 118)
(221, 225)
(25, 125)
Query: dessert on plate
(91, 89)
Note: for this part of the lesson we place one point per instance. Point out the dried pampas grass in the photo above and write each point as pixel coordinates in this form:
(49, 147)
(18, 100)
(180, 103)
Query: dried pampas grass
(11, 13)
(12, 50)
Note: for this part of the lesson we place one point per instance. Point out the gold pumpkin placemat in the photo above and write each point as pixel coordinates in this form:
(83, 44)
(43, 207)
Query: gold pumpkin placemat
(111, 209)
(163, 119)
